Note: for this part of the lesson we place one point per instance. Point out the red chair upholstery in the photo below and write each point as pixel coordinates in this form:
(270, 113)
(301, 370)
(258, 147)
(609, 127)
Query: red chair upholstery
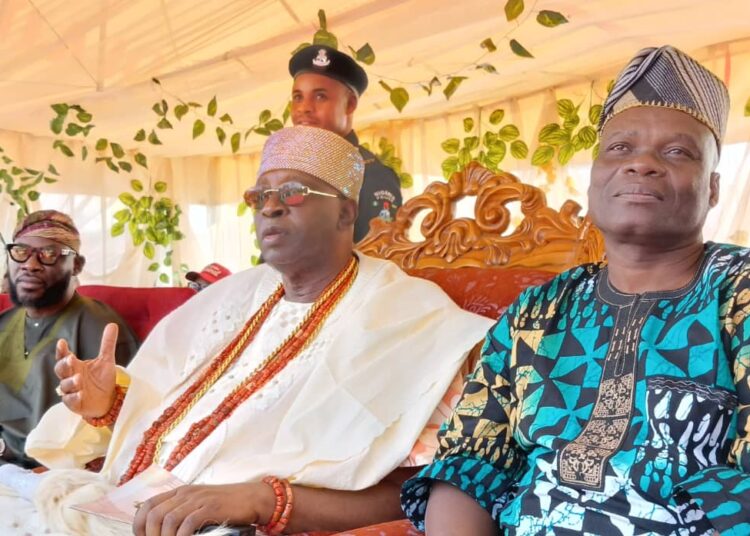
(393, 528)
(140, 308)
(5, 302)
(485, 291)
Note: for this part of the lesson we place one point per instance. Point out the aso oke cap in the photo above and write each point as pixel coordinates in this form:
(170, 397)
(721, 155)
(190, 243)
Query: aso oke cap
(317, 152)
(52, 225)
(666, 77)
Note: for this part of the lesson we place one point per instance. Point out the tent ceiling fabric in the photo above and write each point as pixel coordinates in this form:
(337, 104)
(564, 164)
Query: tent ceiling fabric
(102, 54)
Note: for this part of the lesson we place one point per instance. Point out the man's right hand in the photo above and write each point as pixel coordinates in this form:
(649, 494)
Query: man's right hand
(88, 386)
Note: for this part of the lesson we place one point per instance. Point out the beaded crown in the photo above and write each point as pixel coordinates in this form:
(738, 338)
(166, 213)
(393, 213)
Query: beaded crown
(317, 152)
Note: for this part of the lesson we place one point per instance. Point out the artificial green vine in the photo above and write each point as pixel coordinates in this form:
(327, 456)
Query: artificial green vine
(566, 138)
(151, 222)
(562, 139)
(243, 209)
(489, 149)
(21, 184)
(514, 9)
(151, 218)
(386, 154)
(223, 124)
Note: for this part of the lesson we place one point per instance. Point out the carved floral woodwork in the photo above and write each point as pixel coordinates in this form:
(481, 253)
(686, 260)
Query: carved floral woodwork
(545, 239)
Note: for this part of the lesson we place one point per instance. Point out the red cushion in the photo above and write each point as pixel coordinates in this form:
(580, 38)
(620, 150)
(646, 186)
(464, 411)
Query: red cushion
(140, 308)
(393, 528)
(485, 291)
(5, 302)
(402, 527)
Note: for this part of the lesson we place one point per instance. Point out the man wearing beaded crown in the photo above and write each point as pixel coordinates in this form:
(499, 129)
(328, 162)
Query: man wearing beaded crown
(295, 371)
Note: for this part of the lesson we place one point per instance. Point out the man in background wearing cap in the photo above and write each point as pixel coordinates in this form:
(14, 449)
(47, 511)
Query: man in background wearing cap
(327, 87)
(209, 275)
(615, 399)
(43, 261)
(288, 394)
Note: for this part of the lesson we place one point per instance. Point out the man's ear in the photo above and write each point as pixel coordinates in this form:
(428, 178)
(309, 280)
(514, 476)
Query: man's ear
(351, 102)
(78, 263)
(713, 186)
(348, 213)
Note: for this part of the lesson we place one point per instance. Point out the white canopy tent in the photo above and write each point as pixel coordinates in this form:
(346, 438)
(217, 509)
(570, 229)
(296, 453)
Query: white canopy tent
(103, 54)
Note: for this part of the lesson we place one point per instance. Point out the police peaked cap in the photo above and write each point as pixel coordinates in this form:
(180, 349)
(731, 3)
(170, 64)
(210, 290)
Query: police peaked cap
(327, 61)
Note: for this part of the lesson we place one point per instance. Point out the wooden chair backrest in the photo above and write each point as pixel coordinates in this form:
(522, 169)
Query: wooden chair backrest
(545, 239)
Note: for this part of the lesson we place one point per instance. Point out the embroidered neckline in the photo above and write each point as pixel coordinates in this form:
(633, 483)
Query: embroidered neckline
(609, 294)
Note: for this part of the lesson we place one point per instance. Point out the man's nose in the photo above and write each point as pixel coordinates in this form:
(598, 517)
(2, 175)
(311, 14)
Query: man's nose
(32, 264)
(273, 207)
(644, 164)
(303, 105)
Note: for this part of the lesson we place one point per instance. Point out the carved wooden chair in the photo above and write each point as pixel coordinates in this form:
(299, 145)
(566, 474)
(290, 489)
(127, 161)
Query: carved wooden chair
(484, 262)
(546, 239)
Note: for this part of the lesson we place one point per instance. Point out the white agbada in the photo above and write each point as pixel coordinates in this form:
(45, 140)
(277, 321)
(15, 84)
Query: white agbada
(342, 415)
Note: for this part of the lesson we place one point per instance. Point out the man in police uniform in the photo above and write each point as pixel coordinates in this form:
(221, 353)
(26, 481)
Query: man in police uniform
(326, 90)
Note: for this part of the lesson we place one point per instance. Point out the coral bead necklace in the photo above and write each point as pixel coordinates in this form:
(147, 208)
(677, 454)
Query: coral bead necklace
(149, 449)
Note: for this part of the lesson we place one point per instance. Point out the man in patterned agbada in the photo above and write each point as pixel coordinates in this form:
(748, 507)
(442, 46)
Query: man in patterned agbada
(615, 399)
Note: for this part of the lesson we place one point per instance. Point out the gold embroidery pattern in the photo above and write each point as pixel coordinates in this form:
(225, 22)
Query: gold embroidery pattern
(615, 397)
(603, 434)
(580, 464)
(583, 460)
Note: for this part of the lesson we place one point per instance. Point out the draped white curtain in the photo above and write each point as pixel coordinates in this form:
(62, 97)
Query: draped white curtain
(209, 188)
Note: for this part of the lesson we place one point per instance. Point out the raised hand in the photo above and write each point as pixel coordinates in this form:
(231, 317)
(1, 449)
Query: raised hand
(88, 387)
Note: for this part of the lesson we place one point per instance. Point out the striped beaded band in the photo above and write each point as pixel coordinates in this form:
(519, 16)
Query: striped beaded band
(284, 505)
(110, 417)
(52, 225)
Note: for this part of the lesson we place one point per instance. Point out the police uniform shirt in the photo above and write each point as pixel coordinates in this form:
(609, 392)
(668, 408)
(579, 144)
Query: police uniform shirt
(380, 196)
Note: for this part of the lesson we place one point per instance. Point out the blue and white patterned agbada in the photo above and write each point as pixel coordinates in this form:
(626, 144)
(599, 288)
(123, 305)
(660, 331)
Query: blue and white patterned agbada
(597, 412)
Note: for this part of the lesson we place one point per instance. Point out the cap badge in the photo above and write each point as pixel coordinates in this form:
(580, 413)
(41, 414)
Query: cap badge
(321, 60)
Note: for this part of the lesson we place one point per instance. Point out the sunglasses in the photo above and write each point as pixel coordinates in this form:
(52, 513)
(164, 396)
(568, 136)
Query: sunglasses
(47, 255)
(292, 194)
